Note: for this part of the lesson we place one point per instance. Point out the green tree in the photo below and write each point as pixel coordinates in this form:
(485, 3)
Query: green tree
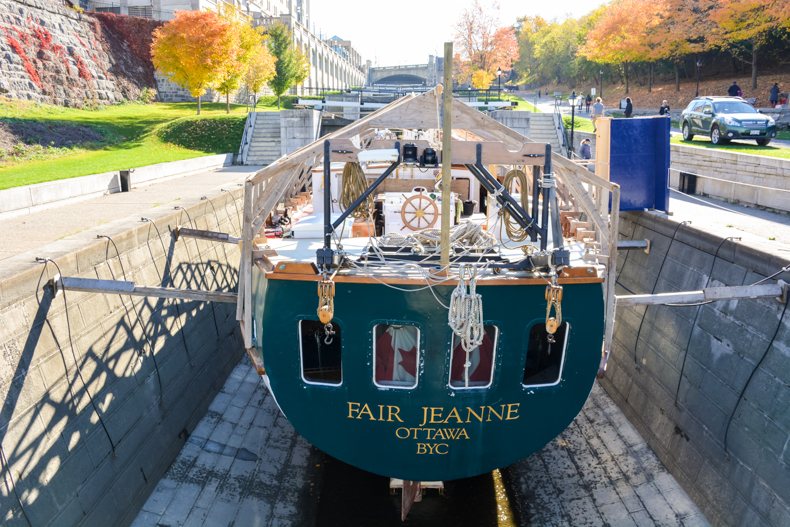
(292, 66)
(247, 41)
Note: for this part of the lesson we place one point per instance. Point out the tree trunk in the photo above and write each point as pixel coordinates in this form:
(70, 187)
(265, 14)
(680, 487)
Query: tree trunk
(677, 77)
(754, 66)
(278, 102)
(199, 96)
(625, 71)
(227, 102)
(650, 78)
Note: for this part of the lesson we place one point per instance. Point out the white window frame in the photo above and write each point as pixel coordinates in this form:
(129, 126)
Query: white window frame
(562, 361)
(493, 362)
(301, 360)
(417, 358)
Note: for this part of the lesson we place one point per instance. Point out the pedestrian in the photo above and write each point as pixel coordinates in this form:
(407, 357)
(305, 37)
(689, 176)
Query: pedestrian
(597, 111)
(664, 110)
(734, 90)
(584, 149)
(629, 107)
(774, 97)
(581, 102)
(538, 94)
(588, 102)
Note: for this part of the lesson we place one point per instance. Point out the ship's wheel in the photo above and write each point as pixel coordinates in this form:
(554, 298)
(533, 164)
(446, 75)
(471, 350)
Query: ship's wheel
(419, 212)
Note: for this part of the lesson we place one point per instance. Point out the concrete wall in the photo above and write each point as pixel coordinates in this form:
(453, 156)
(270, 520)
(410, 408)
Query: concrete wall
(767, 178)
(707, 386)
(100, 392)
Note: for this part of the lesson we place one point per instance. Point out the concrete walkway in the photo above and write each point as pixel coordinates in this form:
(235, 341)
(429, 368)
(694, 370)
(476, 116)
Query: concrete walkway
(64, 228)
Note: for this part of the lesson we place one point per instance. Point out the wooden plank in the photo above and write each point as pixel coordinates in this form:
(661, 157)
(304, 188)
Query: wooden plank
(482, 281)
(777, 290)
(529, 154)
(123, 287)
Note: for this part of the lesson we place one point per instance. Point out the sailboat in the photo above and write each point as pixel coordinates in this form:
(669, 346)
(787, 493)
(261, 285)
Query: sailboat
(417, 329)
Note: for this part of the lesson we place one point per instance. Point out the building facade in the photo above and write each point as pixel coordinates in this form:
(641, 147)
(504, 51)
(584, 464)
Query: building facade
(334, 63)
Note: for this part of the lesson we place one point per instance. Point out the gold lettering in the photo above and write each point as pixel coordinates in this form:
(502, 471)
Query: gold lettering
(439, 434)
(365, 410)
(470, 412)
(431, 449)
(439, 447)
(453, 415)
(436, 415)
(394, 413)
(424, 415)
(352, 407)
(422, 448)
(512, 412)
(492, 411)
(401, 430)
(463, 434)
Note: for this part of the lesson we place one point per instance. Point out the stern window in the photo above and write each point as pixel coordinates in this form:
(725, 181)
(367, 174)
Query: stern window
(396, 354)
(475, 368)
(320, 355)
(544, 357)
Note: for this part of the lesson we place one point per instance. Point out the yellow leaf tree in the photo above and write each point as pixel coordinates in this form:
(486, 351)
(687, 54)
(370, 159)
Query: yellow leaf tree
(192, 49)
(481, 79)
(260, 71)
(248, 41)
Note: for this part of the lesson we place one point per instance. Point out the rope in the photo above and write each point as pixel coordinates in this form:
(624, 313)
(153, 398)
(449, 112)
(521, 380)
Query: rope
(463, 235)
(513, 229)
(354, 184)
(465, 317)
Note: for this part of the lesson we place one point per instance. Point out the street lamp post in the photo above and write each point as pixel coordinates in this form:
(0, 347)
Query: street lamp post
(499, 83)
(600, 76)
(698, 64)
(572, 100)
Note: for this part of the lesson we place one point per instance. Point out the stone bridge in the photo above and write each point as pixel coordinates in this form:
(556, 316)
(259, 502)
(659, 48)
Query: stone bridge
(422, 74)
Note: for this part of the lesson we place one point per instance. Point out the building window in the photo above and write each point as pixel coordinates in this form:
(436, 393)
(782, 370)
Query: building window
(474, 368)
(114, 10)
(396, 355)
(545, 356)
(141, 11)
(320, 353)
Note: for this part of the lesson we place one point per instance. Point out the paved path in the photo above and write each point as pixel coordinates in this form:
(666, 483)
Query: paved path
(244, 465)
(66, 227)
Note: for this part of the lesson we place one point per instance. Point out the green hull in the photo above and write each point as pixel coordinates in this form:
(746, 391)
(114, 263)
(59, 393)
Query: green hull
(430, 432)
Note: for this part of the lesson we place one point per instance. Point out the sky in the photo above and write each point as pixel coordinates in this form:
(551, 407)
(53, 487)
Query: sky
(407, 31)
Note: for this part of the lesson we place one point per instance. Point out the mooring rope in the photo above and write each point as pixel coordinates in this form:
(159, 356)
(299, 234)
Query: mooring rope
(465, 316)
(513, 229)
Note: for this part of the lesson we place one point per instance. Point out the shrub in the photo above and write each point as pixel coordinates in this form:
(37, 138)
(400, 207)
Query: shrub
(147, 95)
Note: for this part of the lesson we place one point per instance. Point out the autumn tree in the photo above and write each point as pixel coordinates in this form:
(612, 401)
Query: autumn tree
(260, 70)
(744, 27)
(618, 35)
(192, 50)
(292, 66)
(528, 29)
(481, 44)
(248, 41)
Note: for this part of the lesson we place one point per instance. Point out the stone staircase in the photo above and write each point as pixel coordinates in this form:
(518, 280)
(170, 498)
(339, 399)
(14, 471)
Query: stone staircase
(265, 144)
(542, 130)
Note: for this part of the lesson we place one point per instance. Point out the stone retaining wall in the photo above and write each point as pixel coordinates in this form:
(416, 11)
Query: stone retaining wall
(52, 54)
(707, 385)
(100, 392)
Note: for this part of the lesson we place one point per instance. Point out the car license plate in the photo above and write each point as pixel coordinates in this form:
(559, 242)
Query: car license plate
(755, 132)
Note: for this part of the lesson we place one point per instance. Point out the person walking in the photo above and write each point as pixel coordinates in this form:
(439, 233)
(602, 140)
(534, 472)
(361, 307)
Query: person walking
(774, 96)
(588, 102)
(629, 107)
(734, 90)
(584, 149)
(664, 110)
(597, 111)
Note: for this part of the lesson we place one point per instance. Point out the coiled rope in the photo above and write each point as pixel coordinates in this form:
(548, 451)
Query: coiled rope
(354, 184)
(465, 316)
(514, 231)
(468, 235)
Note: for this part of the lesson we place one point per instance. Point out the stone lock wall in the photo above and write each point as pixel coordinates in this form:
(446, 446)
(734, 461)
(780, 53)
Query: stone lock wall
(100, 392)
(707, 385)
(52, 54)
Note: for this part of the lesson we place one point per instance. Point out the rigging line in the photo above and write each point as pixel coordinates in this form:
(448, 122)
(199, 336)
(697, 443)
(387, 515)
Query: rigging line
(696, 316)
(12, 488)
(202, 275)
(74, 356)
(655, 284)
(238, 213)
(176, 304)
(136, 311)
(756, 367)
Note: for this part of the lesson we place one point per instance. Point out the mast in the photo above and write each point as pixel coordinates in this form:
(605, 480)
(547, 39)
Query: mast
(447, 159)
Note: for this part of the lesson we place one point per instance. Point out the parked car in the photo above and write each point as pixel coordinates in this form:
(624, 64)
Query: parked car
(726, 118)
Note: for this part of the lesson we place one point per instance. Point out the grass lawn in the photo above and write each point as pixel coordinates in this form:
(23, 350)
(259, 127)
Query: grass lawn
(735, 146)
(130, 134)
